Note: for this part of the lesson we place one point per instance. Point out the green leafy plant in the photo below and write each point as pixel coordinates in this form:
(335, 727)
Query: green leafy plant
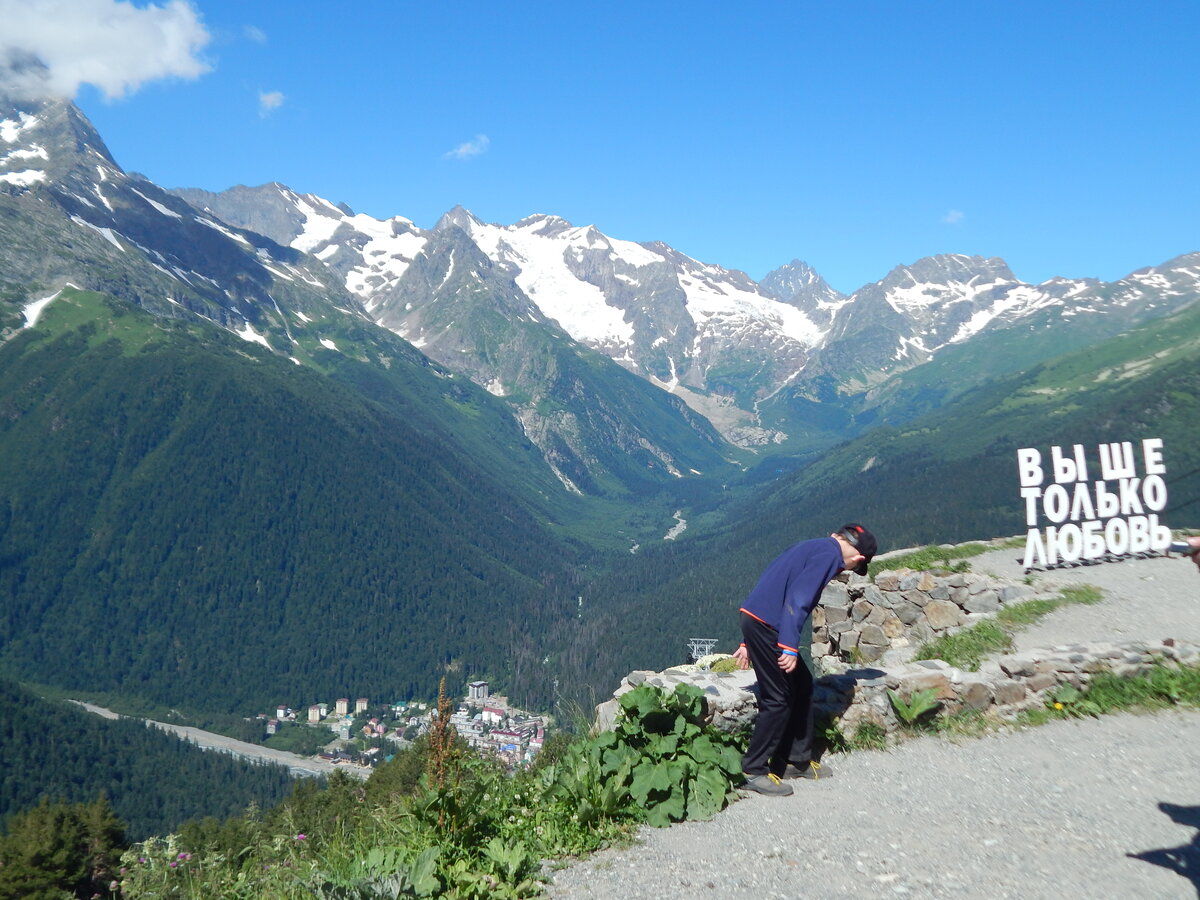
(672, 765)
(1068, 700)
(919, 704)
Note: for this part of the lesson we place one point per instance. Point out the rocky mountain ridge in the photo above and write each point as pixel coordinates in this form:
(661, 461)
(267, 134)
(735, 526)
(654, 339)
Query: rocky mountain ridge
(75, 217)
(746, 355)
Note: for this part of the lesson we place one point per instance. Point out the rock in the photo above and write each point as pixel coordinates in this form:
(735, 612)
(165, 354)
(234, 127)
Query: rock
(873, 634)
(983, 602)
(835, 594)
(1041, 681)
(871, 652)
(1015, 666)
(976, 694)
(835, 614)
(925, 681)
(606, 715)
(893, 628)
(920, 633)
(942, 614)
(1008, 691)
(917, 598)
(887, 581)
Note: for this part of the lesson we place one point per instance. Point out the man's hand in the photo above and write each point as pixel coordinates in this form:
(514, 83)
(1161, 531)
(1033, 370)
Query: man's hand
(742, 657)
(1194, 543)
(787, 662)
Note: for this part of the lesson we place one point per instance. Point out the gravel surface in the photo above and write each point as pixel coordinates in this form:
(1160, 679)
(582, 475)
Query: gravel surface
(1091, 808)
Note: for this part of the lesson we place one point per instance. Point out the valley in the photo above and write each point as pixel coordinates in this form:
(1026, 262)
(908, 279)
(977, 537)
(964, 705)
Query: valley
(257, 444)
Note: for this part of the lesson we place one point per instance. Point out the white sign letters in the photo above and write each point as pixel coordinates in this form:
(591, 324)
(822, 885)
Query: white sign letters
(1111, 508)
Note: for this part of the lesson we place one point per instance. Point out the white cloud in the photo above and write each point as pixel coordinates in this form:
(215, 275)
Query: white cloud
(474, 147)
(269, 101)
(953, 217)
(48, 48)
(254, 33)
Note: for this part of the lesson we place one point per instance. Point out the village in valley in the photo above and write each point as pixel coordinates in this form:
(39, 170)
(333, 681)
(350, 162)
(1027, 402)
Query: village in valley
(364, 734)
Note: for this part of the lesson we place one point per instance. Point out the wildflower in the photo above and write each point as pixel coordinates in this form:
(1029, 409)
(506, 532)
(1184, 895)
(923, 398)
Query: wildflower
(301, 837)
(174, 864)
(185, 856)
(1058, 705)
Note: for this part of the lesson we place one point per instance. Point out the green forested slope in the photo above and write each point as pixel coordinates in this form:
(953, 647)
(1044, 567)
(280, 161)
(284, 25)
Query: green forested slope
(949, 476)
(193, 521)
(154, 781)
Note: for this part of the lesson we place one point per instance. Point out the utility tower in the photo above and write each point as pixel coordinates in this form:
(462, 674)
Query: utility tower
(701, 647)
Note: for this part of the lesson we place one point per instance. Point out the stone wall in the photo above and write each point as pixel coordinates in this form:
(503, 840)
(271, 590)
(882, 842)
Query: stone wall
(864, 621)
(1000, 689)
(866, 631)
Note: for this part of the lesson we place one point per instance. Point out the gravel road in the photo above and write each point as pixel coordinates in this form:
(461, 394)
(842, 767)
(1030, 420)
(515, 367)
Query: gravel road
(1088, 809)
(209, 740)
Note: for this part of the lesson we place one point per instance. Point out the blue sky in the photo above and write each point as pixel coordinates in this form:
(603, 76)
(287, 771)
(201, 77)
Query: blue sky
(1061, 136)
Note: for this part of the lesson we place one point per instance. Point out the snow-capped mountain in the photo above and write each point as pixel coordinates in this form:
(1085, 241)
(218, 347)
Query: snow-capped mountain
(905, 319)
(704, 333)
(74, 217)
(799, 285)
(736, 351)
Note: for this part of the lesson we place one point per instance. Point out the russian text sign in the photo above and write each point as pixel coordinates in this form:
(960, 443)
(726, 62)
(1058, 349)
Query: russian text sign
(1073, 517)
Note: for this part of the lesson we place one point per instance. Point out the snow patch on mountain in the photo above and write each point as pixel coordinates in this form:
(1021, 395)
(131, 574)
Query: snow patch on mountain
(714, 302)
(383, 249)
(32, 311)
(1020, 300)
(12, 129)
(217, 226)
(247, 333)
(24, 178)
(35, 151)
(537, 248)
(106, 232)
(158, 206)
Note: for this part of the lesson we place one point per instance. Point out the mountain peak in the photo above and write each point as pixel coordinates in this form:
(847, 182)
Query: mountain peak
(460, 216)
(949, 268)
(47, 140)
(544, 224)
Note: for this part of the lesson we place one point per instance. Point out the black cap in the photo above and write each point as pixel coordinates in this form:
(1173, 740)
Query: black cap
(862, 541)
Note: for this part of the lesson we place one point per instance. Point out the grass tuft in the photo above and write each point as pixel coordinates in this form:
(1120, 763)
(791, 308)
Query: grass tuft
(932, 557)
(968, 648)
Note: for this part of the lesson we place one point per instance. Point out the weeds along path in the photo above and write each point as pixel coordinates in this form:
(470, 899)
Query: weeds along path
(1104, 807)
